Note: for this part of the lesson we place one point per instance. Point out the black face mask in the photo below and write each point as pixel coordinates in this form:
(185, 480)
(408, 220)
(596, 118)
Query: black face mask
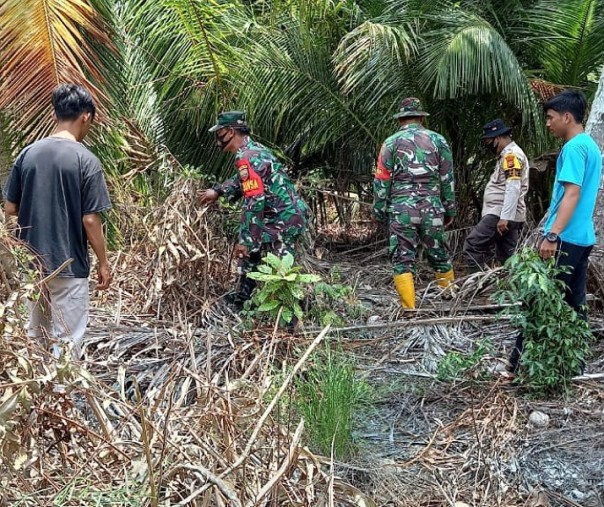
(492, 146)
(222, 141)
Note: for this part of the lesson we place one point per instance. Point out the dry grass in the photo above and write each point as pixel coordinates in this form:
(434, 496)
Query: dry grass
(178, 414)
(174, 403)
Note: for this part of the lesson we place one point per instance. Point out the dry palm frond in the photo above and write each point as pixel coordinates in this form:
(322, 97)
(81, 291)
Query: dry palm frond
(178, 259)
(544, 89)
(7, 261)
(44, 43)
(203, 435)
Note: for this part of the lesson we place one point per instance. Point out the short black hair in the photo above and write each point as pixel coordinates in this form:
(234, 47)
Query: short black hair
(569, 101)
(243, 130)
(71, 100)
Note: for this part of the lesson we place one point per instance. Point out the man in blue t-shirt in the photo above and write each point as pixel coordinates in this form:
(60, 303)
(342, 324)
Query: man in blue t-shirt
(569, 232)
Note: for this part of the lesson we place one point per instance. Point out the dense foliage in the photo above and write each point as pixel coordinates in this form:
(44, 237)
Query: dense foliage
(320, 79)
(556, 339)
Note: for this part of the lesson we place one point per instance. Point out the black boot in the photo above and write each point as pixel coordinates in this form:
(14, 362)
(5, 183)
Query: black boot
(246, 287)
(516, 353)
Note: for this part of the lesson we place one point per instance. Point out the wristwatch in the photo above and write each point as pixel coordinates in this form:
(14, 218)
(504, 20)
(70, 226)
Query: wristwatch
(552, 237)
(218, 189)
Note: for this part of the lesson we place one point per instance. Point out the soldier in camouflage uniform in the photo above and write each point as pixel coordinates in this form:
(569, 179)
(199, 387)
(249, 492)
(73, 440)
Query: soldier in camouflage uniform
(274, 215)
(414, 191)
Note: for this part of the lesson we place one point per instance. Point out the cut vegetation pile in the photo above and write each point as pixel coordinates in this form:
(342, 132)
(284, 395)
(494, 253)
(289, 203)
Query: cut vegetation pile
(177, 260)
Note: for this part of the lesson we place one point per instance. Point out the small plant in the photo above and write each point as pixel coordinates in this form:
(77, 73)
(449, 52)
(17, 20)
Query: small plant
(455, 364)
(281, 290)
(335, 302)
(327, 397)
(325, 300)
(556, 339)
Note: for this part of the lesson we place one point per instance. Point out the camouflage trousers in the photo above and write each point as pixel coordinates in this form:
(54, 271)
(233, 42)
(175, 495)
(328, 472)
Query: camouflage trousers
(281, 246)
(278, 248)
(408, 228)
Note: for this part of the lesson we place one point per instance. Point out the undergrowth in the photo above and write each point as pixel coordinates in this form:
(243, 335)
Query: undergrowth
(455, 365)
(281, 291)
(328, 395)
(556, 339)
(287, 294)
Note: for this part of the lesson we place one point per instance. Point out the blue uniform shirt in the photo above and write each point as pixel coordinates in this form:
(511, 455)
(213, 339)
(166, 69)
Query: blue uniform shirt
(580, 163)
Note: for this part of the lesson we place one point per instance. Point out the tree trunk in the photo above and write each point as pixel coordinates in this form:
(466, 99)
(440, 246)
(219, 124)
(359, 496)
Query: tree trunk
(595, 127)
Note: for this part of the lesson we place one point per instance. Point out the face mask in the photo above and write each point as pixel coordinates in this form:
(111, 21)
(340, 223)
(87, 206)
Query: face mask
(492, 146)
(223, 140)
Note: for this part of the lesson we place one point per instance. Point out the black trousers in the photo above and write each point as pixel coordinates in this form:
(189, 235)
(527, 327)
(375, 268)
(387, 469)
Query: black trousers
(484, 237)
(576, 257)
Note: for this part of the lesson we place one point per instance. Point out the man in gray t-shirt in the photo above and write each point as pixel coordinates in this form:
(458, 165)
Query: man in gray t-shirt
(56, 189)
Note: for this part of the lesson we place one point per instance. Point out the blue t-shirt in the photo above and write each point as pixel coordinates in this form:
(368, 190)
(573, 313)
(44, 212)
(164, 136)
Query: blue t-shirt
(580, 163)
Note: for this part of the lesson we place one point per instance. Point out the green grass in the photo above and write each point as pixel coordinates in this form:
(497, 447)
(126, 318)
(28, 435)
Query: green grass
(327, 397)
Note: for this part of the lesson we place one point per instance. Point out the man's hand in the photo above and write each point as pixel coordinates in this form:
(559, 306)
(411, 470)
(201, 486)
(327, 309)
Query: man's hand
(547, 249)
(240, 252)
(207, 196)
(502, 226)
(448, 221)
(104, 277)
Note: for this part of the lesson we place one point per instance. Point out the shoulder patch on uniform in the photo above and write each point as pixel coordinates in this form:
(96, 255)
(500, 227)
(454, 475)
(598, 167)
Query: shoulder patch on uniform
(382, 172)
(512, 167)
(251, 182)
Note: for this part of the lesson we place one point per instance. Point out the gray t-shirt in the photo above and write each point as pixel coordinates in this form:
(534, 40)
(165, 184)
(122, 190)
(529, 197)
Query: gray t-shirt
(55, 181)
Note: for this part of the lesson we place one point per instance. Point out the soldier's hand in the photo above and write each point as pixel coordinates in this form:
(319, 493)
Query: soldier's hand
(502, 226)
(448, 221)
(240, 252)
(207, 196)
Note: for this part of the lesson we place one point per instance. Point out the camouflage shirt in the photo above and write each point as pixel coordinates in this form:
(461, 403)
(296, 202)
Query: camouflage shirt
(414, 165)
(272, 208)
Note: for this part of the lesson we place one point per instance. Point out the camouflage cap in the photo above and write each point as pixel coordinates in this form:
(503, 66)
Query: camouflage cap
(230, 119)
(410, 107)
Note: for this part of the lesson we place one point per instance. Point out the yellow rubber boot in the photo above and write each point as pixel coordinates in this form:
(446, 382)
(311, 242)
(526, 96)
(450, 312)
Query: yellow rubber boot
(406, 289)
(445, 280)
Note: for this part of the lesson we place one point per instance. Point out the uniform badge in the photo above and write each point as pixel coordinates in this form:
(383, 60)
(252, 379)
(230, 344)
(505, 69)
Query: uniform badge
(251, 182)
(244, 172)
(382, 172)
(512, 166)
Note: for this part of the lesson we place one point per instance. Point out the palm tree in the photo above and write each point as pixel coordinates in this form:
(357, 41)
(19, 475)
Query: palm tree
(47, 42)
(319, 78)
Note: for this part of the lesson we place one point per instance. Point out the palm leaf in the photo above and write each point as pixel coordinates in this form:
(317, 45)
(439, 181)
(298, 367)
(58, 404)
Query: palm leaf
(464, 55)
(291, 91)
(184, 47)
(568, 38)
(44, 43)
(371, 59)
